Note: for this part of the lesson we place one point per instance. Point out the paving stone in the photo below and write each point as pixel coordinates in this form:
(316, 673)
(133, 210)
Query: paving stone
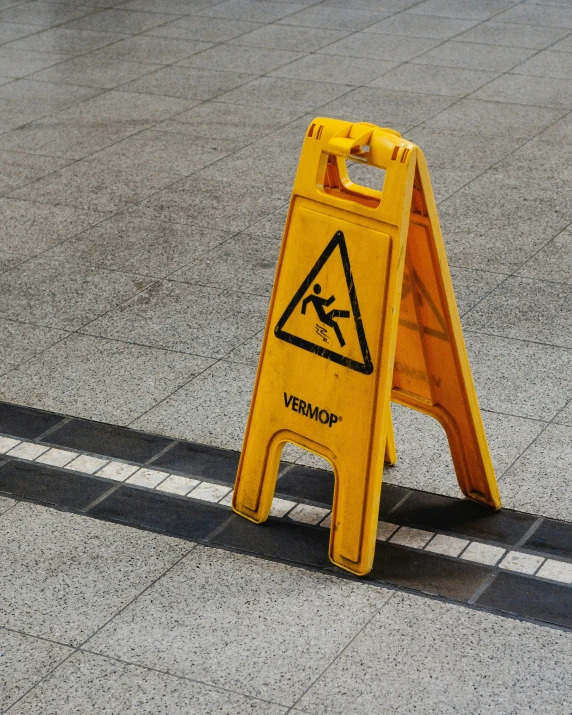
(90, 683)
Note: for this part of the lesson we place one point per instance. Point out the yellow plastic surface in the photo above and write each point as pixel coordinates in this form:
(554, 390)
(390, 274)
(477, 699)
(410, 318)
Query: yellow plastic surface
(362, 312)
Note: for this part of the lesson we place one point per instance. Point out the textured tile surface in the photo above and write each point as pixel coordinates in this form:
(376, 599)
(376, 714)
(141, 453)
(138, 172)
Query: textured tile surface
(310, 640)
(71, 558)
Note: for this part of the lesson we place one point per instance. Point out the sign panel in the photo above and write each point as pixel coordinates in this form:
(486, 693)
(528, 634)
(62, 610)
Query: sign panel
(362, 312)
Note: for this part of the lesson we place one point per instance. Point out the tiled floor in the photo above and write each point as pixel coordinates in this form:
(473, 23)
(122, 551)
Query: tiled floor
(147, 152)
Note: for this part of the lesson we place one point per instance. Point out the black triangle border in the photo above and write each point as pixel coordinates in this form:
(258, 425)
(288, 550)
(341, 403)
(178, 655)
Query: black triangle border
(367, 366)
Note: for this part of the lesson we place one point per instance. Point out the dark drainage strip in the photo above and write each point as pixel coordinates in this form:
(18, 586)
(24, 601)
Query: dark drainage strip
(507, 562)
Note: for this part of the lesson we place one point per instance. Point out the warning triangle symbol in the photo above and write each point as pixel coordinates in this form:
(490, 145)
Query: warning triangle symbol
(324, 317)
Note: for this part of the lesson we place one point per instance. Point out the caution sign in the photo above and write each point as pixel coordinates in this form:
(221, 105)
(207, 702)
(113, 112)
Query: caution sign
(314, 321)
(362, 313)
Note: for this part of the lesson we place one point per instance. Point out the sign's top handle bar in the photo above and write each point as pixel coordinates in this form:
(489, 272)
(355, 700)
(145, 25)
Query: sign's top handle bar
(322, 173)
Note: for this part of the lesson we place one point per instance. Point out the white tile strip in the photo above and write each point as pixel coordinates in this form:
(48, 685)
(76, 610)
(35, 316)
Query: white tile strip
(86, 464)
(227, 500)
(27, 450)
(280, 507)
(385, 530)
(414, 538)
(57, 457)
(177, 485)
(147, 478)
(209, 492)
(556, 571)
(455, 547)
(523, 563)
(306, 514)
(7, 443)
(482, 553)
(446, 545)
(117, 470)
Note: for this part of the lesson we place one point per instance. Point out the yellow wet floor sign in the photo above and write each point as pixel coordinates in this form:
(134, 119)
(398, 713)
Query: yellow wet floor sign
(362, 312)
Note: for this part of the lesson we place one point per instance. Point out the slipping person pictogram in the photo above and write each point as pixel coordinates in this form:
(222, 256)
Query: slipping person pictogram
(328, 318)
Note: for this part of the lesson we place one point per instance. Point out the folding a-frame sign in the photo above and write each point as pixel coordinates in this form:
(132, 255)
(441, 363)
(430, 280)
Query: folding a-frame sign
(362, 312)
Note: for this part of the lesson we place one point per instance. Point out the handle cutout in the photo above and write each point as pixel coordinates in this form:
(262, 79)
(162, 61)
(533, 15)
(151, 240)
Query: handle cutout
(338, 181)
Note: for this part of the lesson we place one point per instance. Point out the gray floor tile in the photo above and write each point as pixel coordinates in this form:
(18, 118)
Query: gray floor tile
(263, 166)
(411, 25)
(535, 14)
(29, 228)
(519, 378)
(564, 45)
(89, 377)
(428, 79)
(249, 352)
(25, 661)
(193, 319)
(106, 74)
(60, 295)
(92, 684)
(18, 169)
(379, 47)
(64, 41)
(88, 185)
(183, 7)
(289, 37)
(334, 68)
(21, 341)
(465, 9)
(64, 576)
(279, 93)
(387, 108)
(189, 82)
(335, 18)
(560, 131)
(272, 225)
(553, 262)
(246, 263)
(134, 245)
(67, 137)
(513, 34)
(145, 48)
(446, 182)
(10, 260)
(43, 14)
(6, 504)
(206, 29)
(471, 286)
(132, 108)
(494, 58)
(231, 125)
(250, 10)
(454, 149)
(163, 152)
(545, 64)
(123, 21)
(19, 63)
(526, 89)
(549, 164)
(423, 455)
(526, 309)
(43, 97)
(304, 641)
(236, 58)
(211, 409)
(14, 31)
(496, 223)
(565, 417)
(209, 202)
(420, 648)
(494, 118)
(539, 481)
